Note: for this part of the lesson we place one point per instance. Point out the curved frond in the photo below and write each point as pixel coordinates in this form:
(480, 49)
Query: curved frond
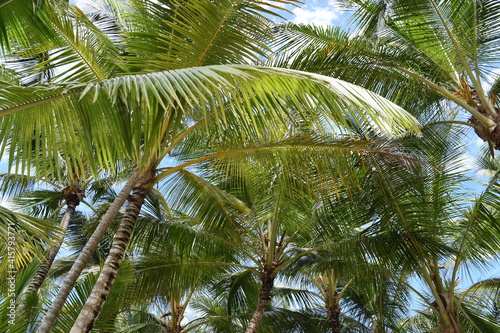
(24, 238)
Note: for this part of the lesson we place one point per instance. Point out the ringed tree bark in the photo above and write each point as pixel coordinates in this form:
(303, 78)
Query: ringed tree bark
(95, 301)
(267, 275)
(50, 318)
(332, 305)
(72, 195)
(333, 312)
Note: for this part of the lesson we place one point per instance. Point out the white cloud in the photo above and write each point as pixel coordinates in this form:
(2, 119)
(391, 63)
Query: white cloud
(316, 15)
(485, 173)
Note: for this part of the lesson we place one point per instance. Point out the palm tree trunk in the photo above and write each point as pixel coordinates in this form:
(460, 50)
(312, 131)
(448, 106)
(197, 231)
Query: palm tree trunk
(100, 292)
(267, 278)
(333, 312)
(41, 274)
(54, 249)
(175, 323)
(452, 325)
(488, 134)
(50, 318)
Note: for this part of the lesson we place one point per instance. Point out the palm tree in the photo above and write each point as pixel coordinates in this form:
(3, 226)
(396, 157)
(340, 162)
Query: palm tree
(414, 52)
(44, 198)
(173, 260)
(72, 195)
(24, 240)
(39, 30)
(357, 289)
(284, 203)
(150, 114)
(263, 244)
(434, 235)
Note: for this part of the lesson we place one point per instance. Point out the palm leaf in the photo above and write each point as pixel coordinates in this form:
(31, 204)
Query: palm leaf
(23, 239)
(227, 32)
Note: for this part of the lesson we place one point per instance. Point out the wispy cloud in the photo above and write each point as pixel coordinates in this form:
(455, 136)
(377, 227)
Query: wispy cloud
(318, 15)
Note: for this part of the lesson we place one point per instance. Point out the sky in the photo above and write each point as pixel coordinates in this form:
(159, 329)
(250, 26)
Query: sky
(320, 12)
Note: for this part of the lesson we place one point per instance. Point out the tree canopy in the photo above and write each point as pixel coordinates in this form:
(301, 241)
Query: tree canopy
(196, 166)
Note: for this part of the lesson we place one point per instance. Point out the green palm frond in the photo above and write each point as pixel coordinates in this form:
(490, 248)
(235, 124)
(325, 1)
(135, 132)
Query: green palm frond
(447, 29)
(139, 319)
(309, 157)
(287, 320)
(207, 87)
(424, 321)
(44, 204)
(443, 46)
(72, 48)
(34, 140)
(187, 192)
(333, 52)
(214, 315)
(239, 289)
(82, 52)
(474, 320)
(227, 32)
(480, 229)
(12, 185)
(8, 76)
(202, 89)
(294, 298)
(23, 239)
(16, 321)
(20, 21)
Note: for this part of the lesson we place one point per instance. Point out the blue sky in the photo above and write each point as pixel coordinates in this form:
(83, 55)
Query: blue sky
(320, 12)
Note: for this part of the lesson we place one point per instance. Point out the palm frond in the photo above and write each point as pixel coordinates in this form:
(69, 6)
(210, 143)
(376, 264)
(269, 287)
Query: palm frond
(227, 32)
(23, 239)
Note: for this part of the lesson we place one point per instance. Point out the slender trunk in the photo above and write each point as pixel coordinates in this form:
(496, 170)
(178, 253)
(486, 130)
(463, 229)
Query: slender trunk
(177, 316)
(50, 318)
(450, 329)
(454, 326)
(333, 312)
(443, 306)
(453, 323)
(267, 278)
(100, 292)
(54, 249)
(72, 200)
(176, 329)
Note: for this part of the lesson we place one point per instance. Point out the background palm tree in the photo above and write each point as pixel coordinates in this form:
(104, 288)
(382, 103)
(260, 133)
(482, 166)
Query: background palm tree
(444, 50)
(431, 208)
